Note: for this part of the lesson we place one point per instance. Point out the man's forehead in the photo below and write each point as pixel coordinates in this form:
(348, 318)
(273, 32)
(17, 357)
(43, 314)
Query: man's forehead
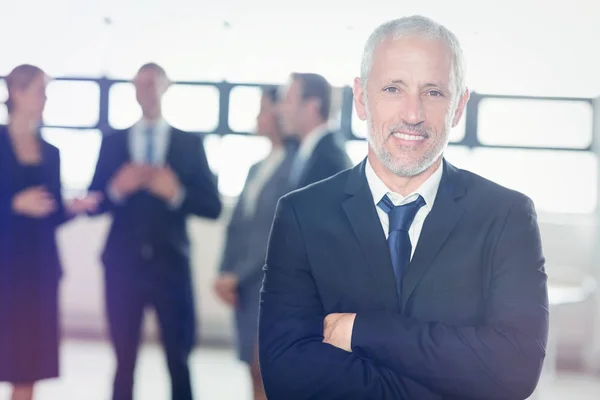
(149, 74)
(406, 54)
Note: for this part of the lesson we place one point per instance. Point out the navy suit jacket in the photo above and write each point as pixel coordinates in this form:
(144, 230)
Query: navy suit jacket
(144, 221)
(473, 318)
(327, 159)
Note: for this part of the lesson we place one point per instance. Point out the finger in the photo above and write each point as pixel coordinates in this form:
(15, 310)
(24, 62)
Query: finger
(95, 196)
(46, 195)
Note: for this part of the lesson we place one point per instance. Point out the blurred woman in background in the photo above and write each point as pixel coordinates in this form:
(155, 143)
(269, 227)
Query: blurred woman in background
(241, 274)
(31, 208)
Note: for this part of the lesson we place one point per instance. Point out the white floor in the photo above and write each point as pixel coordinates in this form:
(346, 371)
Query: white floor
(87, 373)
(87, 369)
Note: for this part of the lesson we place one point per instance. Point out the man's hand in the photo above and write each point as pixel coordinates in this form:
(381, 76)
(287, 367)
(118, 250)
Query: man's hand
(337, 330)
(129, 179)
(89, 203)
(35, 202)
(226, 288)
(164, 183)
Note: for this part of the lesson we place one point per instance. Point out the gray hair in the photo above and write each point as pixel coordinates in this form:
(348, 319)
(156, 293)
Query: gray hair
(416, 26)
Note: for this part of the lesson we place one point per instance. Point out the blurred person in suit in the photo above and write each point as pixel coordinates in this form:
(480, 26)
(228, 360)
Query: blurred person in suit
(304, 112)
(405, 277)
(241, 274)
(31, 210)
(153, 177)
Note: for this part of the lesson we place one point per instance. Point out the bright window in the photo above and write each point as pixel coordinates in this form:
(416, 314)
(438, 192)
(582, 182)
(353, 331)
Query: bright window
(72, 103)
(78, 154)
(244, 105)
(541, 123)
(187, 107)
(236, 155)
(557, 181)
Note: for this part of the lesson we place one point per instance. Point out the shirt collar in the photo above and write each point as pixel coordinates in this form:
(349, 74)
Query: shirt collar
(428, 190)
(159, 125)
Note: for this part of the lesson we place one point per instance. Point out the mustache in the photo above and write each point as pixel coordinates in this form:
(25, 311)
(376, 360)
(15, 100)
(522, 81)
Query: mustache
(410, 129)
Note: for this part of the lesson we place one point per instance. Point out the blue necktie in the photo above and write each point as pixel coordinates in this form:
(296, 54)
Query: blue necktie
(149, 136)
(401, 218)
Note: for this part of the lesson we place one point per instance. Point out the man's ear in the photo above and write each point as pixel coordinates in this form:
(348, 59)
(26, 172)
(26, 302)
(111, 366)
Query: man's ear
(460, 109)
(359, 92)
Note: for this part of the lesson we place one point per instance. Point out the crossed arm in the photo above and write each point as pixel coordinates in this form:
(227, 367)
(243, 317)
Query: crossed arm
(500, 359)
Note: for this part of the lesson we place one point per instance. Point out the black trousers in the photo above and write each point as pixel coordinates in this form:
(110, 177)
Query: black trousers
(127, 296)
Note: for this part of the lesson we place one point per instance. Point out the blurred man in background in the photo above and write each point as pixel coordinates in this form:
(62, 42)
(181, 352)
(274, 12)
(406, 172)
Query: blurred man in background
(304, 112)
(153, 176)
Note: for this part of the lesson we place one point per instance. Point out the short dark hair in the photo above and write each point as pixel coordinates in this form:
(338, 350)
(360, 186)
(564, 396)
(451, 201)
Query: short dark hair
(272, 93)
(155, 67)
(315, 86)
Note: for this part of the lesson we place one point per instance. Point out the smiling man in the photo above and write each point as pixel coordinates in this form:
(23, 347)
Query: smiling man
(405, 277)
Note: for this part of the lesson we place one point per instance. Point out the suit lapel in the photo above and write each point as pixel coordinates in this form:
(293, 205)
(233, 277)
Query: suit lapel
(361, 213)
(171, 149)
(439, 224)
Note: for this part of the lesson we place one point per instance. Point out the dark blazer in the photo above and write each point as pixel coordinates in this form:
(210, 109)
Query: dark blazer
(145, 223)
(473, 319)
(247, 237)
(42, 229)
(327, 159)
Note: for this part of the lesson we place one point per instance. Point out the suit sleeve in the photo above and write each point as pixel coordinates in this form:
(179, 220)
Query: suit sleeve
(500, 359)
(102, 176)
(231, 252)
(60, 216)
(294, 361)
(201, 193)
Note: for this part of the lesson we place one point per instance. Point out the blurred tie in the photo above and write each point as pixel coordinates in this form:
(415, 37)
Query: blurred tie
(149, 136)
(401, 218)
(296, 170)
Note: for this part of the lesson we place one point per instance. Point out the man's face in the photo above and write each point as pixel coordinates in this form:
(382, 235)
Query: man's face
(291, 109)
(409, 103)
(150, 86)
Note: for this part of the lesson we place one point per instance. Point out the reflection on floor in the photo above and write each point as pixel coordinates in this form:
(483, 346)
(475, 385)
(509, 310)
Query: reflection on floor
(87, 373)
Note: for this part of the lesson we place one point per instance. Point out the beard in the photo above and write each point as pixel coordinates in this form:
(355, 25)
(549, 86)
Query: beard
(415, 163)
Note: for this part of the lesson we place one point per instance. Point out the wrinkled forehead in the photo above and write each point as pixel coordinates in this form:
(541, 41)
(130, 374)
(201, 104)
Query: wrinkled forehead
(413, 58)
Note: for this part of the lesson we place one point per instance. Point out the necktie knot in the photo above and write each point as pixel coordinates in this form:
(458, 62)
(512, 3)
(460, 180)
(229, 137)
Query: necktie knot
(401, 217)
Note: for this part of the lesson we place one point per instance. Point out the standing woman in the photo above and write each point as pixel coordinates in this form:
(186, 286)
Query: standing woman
(241, 274)
(31, 209)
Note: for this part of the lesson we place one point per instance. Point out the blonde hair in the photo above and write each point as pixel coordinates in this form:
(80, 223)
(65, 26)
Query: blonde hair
(20, 78)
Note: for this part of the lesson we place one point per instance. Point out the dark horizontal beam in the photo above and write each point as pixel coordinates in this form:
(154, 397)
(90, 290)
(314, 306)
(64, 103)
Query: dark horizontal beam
(470, 140)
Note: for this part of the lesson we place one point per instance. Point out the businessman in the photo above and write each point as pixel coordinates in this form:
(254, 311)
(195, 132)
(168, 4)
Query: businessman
(405, 277)
(304, 112)
(153, 177)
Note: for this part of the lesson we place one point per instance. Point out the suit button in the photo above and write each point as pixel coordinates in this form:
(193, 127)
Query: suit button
(147, 251)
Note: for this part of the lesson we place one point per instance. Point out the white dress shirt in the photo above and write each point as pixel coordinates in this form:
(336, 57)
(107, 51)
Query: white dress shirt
(428, 190)
(264, 172)
(138, 139)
